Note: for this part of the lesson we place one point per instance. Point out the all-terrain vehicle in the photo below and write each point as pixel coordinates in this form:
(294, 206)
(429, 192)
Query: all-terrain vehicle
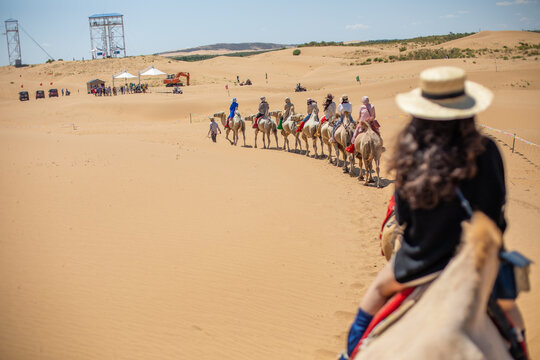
(40, 94)
(23, 96)
(299, 88)
(53, 93)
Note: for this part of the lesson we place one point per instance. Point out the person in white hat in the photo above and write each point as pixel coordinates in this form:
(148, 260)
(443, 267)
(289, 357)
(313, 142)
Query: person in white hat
(440, 159)
(344, 106)
(263, 111)
(232, 109)
(311, 107)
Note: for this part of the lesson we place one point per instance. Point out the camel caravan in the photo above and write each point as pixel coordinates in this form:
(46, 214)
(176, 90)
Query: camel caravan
(449, 288)
(335, 131)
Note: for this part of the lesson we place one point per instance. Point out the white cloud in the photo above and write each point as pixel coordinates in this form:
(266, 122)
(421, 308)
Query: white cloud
(46, 45)
(515, 2)
(356, 27)
(463, 12)
(449, 16)
(523, 19)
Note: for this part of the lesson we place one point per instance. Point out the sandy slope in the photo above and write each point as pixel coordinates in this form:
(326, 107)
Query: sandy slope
(127, 234)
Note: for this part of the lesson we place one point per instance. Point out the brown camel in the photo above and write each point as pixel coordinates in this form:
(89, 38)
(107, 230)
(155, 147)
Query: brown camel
(450, 320)
(368, 146)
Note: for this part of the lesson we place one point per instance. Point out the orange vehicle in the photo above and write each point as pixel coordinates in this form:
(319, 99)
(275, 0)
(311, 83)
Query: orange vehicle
(173, 80)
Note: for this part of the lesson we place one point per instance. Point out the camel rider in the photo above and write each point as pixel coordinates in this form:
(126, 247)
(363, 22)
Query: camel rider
(329, 107)
(288, 110)
(311, 106)
(232, 109)
(367, 114)
(263, 111)
(344, 106)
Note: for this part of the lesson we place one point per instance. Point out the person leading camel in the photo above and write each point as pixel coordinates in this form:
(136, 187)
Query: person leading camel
(311, 105)
(367, 114)
(232, 109)
(288, 110)
(438, 152)
(263, 111)
(344, 106)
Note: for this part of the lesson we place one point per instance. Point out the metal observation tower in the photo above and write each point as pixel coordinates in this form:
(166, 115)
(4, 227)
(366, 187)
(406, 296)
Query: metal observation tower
(107, 35)
(13, 42)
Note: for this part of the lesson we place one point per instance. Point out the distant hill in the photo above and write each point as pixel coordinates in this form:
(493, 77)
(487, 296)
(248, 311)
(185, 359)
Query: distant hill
(224, 48)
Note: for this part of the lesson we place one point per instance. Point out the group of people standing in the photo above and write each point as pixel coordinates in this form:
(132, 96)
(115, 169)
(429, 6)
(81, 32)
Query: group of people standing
(366, 114)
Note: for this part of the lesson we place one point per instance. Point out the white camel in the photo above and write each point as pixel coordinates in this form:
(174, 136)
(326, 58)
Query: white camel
(450, 320)
(342, 139)
(326, 134)
(289, 128)
(368, 147)
(310, 132)
(265, 125)
(236, 124)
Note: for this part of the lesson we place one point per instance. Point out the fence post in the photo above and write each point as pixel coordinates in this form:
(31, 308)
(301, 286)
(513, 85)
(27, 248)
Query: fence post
(514, 143)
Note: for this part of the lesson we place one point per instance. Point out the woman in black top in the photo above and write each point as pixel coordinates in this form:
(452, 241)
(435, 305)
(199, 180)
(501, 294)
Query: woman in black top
(438, 152)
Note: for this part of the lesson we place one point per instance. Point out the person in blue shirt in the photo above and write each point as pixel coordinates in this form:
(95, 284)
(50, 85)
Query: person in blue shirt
(232, 109)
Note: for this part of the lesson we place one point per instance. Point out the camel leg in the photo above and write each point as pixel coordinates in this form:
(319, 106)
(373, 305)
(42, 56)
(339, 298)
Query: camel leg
(264, 140)
(360, 175)
(336, 148)
(315, 147)
(329, 153)
(256, 131)
(345, 167)
(378, 176)
(298, 142)
(322, 146)
(368, 172)
(277, 142)
(351, 161)
(307, 145)
(244, 135)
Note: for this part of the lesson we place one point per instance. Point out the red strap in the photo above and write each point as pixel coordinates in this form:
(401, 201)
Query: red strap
(391, 305)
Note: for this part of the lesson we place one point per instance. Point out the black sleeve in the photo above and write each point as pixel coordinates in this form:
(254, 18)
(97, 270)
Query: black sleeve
(401, 209)
(490, 188)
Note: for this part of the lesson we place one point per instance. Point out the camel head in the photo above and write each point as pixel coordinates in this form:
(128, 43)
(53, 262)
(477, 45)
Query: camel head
(250, 118)
(365, 126)
(219, 114)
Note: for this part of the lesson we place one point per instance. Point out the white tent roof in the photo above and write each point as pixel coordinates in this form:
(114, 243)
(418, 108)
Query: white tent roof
(151, 71)
(124, 75)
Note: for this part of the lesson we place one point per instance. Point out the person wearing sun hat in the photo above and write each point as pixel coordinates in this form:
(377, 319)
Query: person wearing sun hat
(288, 110)
(232, 109)
(439, 154)
(263, 111)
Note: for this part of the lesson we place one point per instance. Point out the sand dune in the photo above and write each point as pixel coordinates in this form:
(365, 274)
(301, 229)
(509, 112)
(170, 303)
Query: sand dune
(127, 234)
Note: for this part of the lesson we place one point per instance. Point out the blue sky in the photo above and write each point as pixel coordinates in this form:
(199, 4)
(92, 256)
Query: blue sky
(61, 26)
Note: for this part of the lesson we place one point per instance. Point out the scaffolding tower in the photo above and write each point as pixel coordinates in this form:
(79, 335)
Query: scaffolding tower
(13, 42)
(107, 35)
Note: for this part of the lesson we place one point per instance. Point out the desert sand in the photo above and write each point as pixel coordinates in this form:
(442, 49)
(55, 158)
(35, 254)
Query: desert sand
(127, 234)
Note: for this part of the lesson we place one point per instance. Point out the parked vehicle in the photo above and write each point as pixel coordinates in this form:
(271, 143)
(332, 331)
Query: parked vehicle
(23, 96)
(53, 93)
(40, 94)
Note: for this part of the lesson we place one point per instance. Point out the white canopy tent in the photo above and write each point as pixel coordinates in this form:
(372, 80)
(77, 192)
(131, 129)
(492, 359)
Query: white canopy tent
(123, 75)
(150, 71)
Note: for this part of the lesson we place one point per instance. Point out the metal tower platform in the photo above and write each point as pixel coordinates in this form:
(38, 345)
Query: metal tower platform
(107, 35)
(13, 42)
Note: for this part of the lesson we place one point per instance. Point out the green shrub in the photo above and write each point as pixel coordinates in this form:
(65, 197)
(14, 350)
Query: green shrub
(402, 49)
(296, 52)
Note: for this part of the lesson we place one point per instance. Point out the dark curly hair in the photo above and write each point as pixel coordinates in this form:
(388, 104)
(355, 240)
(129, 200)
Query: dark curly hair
(432, 157)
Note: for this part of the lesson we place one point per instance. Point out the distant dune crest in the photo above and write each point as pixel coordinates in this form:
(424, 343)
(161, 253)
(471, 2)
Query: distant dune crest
(224, 48)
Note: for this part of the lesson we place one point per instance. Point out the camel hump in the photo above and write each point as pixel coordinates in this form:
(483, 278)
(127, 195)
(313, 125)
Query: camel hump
(483, 234)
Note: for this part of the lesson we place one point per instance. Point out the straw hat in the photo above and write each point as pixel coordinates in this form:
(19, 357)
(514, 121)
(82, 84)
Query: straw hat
(444, 94)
